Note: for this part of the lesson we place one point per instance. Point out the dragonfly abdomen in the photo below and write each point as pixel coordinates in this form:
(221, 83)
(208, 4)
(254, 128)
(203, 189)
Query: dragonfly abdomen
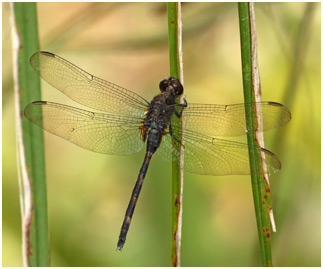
(133, 201)
(154, 139)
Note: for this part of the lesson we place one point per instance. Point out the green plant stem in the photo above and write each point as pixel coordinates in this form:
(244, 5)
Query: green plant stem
(260, 188)
(177, 165)
(30, 140)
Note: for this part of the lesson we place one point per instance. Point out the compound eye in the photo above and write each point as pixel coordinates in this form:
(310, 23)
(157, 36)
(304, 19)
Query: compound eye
(178, 87)
(163, 85)
(179, 90)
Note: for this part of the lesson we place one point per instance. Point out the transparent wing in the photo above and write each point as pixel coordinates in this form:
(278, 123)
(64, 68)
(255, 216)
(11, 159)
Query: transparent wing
(86, 89)
(98, 132)
(211, 156)
(229, 120)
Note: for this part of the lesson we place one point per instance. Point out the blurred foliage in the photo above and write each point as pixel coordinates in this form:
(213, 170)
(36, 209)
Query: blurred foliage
(126, 43)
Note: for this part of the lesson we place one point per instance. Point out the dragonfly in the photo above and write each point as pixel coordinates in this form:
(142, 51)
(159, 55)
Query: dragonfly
(125, 122)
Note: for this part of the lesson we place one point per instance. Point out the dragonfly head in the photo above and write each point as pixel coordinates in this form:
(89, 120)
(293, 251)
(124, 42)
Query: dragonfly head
(171, 84)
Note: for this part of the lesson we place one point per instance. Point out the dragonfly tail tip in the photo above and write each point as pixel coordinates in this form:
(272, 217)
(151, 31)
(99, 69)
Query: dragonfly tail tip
(120, 246)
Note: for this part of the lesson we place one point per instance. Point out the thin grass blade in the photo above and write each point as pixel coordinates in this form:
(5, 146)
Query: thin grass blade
(31, 162)
(251, 85)
(176, 70)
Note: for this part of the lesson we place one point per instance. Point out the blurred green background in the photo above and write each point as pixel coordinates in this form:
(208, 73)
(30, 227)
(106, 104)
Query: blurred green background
(126, 43)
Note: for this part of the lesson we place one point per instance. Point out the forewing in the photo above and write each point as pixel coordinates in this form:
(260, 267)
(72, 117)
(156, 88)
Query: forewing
(210, 156)
(86, 89)
(230, 120)
(98, 132)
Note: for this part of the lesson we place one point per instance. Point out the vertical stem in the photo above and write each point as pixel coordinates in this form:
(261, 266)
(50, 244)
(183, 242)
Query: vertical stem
(176, 70)
(251, 85)
(31, 161)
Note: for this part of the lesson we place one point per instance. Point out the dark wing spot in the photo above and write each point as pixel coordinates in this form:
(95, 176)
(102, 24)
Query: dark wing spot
(39, 103)
(49, 54)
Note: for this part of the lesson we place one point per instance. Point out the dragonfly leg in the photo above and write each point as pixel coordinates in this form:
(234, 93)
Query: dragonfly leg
(182, 106)
(133, 201)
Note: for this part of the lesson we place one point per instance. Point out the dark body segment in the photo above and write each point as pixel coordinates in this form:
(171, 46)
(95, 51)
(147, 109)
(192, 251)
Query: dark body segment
(133, 201)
